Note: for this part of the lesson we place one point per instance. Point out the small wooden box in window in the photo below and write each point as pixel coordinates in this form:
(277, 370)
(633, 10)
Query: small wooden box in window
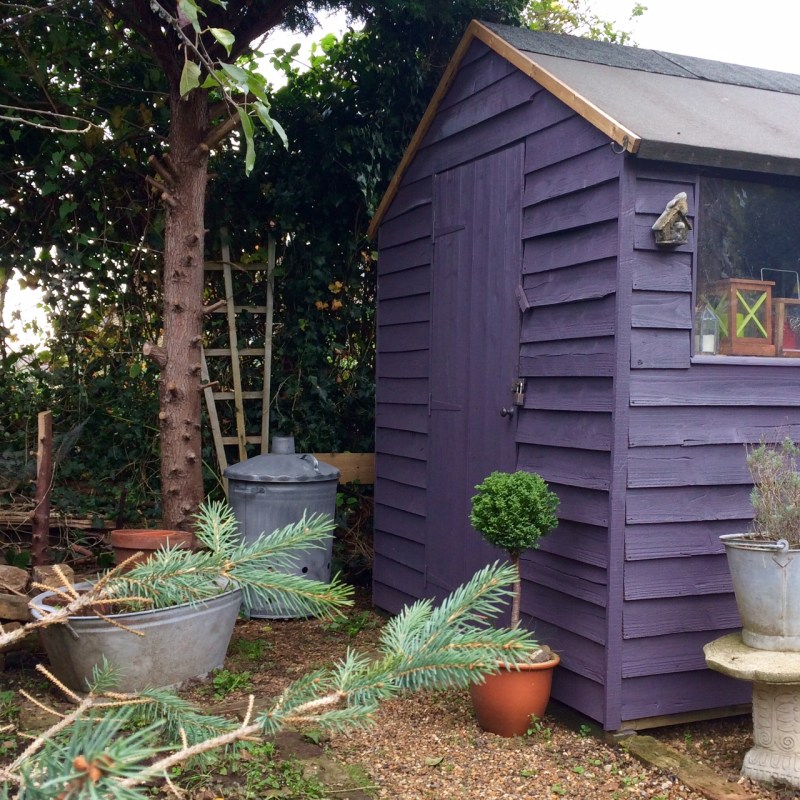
(744, 310)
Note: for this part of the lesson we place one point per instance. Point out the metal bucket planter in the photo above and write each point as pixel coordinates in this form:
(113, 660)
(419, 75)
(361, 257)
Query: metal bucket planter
(766, 582)
(179, 642)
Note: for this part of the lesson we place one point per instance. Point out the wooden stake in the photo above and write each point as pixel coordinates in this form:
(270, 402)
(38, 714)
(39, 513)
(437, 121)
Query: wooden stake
(44, 486)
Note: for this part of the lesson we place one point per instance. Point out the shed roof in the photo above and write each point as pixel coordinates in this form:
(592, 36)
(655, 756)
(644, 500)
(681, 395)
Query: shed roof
(658, 105)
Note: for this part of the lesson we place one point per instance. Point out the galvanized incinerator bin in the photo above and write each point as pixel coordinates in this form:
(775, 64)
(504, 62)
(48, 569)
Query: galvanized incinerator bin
(271, 491)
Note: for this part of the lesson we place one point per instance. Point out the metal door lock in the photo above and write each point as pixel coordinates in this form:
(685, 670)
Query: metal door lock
(518, 391)
(507, 412)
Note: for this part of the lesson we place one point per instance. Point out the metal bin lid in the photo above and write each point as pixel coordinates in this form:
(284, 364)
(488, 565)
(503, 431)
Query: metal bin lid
(292, 468)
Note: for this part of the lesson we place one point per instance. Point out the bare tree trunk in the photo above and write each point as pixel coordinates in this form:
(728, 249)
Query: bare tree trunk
(184, 198)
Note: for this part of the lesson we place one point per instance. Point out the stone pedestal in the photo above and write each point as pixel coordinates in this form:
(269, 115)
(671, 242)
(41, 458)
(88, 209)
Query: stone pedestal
(775, 675)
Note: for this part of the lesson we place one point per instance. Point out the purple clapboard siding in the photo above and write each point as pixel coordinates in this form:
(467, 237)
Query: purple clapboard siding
(411, 196)
(403, 497)
(568, 393)
(710, 424)
(474, 142)
(391, 599)
(577, 654)
(405, 336)
(579, 320)
(718, 385)
(659, 695)
(587, 169)
(414, 224)
(679, 540)
(570, 357)
(416, 280)
(401, 310)
(652, 195)
(402, 550)
(576, 691)
(402, 577)
(563, 139)
(577, 541)
(677, 577)
(515, 89)
(570, 284)
(574, 429)
(401, 443)
(408, 364)
(398, 521)
(404, 256)
(653, 348)
(479, 69)
(586, 620)
(687, 504)
(590, 469)
(567, 249)
(409, 391)
(584, 581)
(595, 204)
(411, 472)
(661, 271)
(709, 465)
(662, 655)
(402, 417)
(661, 310)
(662, 616)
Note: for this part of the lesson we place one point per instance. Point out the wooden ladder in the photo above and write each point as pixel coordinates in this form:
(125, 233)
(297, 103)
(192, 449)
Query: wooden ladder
(236, 392)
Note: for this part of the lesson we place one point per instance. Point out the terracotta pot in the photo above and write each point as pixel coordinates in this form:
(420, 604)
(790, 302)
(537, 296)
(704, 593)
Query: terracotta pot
(505, 703)
(128, 542)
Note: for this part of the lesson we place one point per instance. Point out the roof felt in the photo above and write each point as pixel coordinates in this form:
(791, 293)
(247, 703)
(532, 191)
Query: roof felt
(681, 108)
(655, 61)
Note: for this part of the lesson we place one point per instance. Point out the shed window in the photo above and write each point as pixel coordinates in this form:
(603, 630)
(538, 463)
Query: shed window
(748, 268)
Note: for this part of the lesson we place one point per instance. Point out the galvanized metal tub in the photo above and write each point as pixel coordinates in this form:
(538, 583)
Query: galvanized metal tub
(179, 642)
(766, 582)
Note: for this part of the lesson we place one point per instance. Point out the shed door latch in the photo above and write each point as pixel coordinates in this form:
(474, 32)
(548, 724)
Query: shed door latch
(518, 391)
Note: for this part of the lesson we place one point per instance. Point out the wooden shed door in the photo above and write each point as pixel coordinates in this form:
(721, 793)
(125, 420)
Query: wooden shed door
(474, 353)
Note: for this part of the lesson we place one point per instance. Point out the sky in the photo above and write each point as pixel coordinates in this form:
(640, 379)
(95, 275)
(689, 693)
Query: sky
(755, 34)
(766, 36)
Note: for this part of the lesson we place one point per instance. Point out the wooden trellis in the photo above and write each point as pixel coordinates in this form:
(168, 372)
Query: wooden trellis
(236, 393)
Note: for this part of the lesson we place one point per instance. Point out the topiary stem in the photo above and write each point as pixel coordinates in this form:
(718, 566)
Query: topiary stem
(517, 591)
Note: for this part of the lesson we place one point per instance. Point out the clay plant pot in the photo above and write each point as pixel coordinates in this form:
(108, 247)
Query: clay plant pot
(126, 542)
(506, 701)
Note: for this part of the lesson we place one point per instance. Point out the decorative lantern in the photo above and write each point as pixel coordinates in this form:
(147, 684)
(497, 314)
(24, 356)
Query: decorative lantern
(743, 309)
(706, 332)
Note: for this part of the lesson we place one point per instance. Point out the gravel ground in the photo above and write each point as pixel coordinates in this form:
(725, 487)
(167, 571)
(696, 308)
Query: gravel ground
(429, 746)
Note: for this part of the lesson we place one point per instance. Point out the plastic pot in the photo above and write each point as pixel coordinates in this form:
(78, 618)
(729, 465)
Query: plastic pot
(508, 700)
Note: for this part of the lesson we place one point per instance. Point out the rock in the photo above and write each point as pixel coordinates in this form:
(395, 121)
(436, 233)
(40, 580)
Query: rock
(14, 607)
(13, 579)
(48, 576)
(8, 627)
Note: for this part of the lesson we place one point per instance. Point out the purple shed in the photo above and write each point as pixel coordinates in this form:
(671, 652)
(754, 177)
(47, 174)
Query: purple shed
(516, 252)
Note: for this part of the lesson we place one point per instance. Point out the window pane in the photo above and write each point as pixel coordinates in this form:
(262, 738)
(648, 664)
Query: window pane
(748, 265)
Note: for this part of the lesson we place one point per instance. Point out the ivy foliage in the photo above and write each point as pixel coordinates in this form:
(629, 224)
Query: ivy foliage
(78, 221)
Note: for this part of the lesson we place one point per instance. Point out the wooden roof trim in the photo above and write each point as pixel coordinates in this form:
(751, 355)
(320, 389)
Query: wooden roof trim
(476, 30)
(580, 105)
